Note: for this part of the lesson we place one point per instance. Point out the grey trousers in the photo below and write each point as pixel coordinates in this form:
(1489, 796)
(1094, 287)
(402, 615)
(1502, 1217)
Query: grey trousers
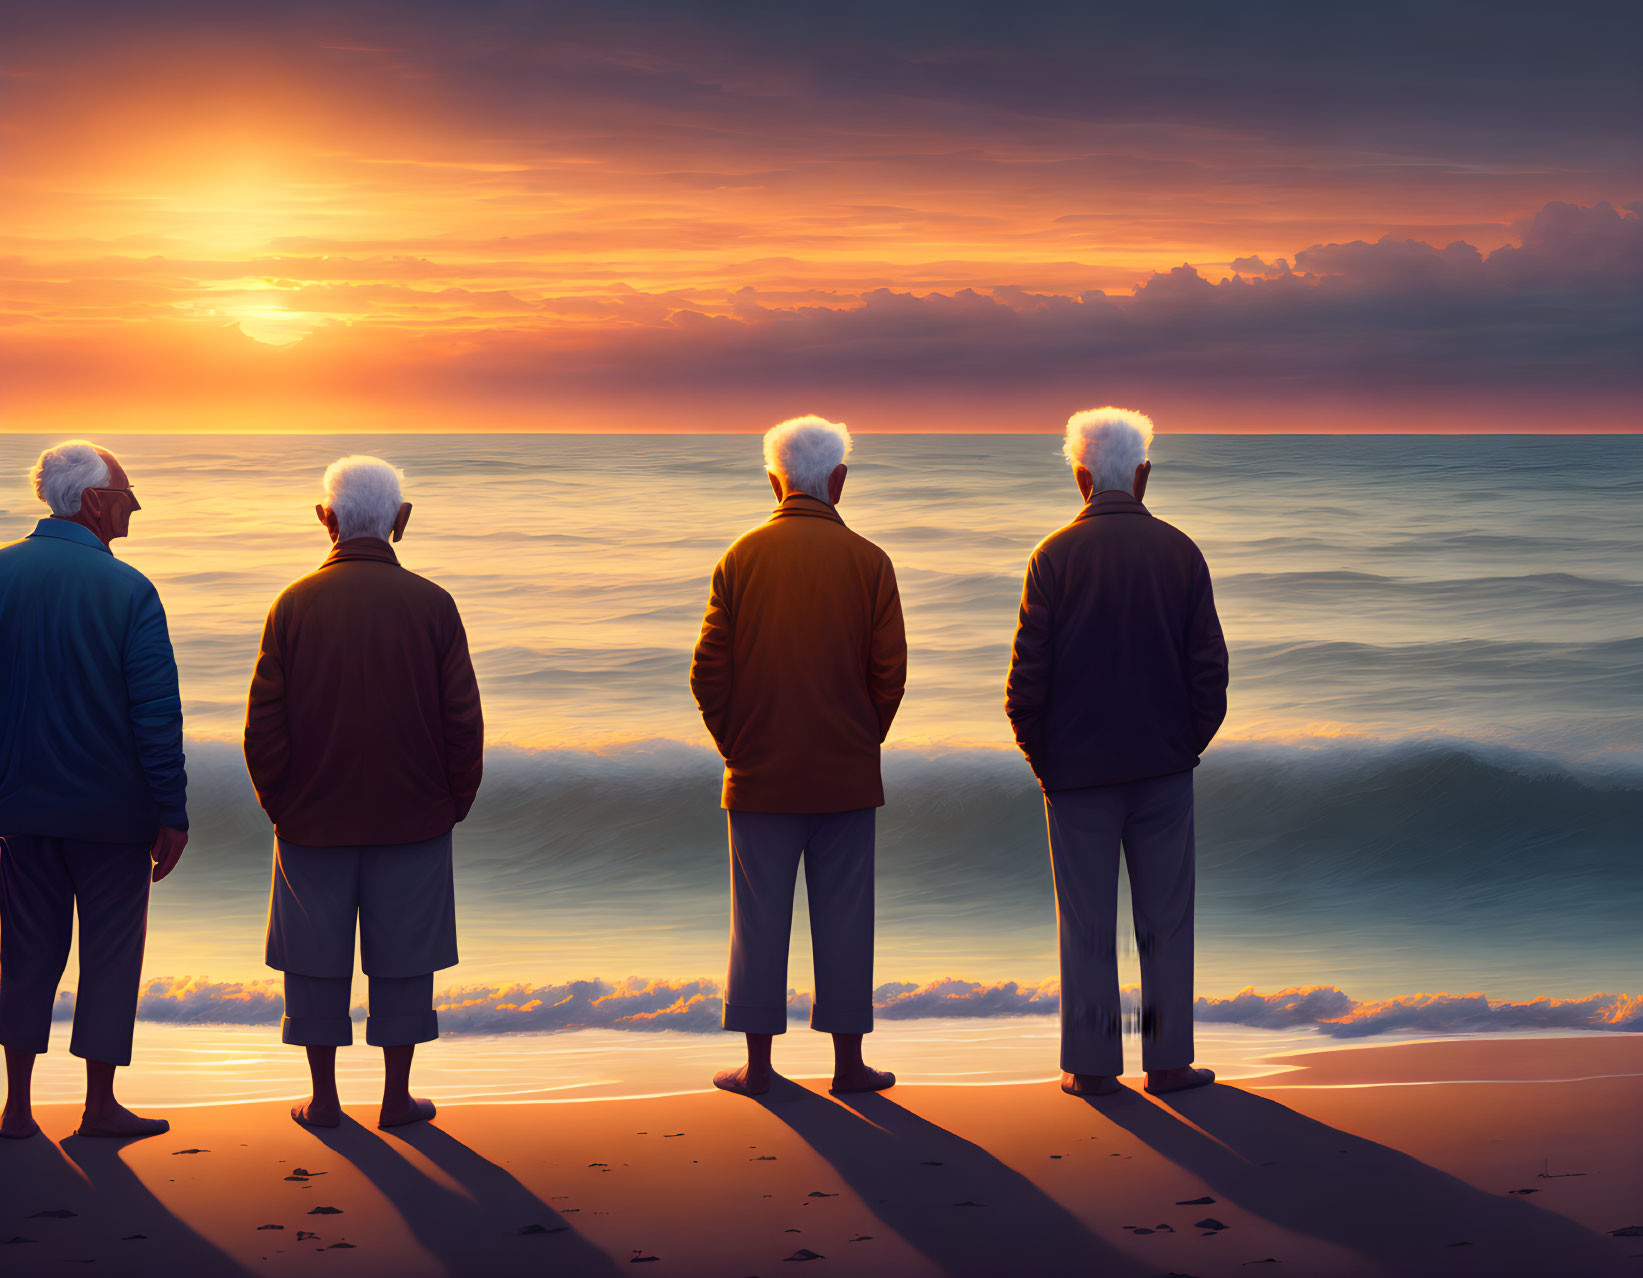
(1152, 820)
(765, 848)
(42, 880)
(401, 896)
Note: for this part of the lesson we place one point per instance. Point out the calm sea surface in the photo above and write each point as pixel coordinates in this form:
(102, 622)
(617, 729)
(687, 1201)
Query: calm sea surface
(1431, 778)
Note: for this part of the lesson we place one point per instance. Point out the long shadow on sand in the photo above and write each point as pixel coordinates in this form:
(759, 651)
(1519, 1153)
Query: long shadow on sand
(1377, 1201)
(122, 1207)
(970, 1214)
(477, 1235)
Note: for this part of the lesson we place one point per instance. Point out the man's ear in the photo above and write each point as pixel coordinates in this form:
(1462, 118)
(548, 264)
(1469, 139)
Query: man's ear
(1086, 481)
(91, 504)
(401, 519)
(1141, 473)
(835, 483)
(319, 509)
(775, 483)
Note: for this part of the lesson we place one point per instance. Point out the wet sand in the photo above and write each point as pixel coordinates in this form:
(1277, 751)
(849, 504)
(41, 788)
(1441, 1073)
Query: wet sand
(1404, 1160)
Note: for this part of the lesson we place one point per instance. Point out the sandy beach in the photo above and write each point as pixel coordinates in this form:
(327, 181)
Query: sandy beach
(1487, 1157)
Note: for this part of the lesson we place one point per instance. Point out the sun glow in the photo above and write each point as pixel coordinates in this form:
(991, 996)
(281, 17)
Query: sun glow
(261, 316)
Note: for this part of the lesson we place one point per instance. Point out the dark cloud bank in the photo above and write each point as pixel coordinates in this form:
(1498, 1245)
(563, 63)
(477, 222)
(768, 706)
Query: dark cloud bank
(1547, 328)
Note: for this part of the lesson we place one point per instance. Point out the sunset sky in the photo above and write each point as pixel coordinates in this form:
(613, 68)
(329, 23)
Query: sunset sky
(650, 216)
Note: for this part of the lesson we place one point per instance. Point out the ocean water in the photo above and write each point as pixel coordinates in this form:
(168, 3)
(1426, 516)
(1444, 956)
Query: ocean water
(1430, 780)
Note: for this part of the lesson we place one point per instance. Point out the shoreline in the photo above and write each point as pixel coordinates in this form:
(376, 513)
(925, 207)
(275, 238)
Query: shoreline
(1375, 1159)
(186, 1066)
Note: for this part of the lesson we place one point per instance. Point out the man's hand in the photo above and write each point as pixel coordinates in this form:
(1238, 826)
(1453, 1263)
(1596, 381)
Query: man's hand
(167, 850)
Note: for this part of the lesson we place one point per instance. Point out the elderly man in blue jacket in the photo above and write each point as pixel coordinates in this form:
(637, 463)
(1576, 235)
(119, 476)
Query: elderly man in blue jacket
(92, 788)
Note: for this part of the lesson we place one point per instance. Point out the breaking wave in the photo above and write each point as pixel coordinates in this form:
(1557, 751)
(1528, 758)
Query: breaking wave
(695, 1006)
(1440, 830)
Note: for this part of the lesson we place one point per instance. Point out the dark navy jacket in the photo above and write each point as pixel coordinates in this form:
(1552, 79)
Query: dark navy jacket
(91, 725)
(1119, 670)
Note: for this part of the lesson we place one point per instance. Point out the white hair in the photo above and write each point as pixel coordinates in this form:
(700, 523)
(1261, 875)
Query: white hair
(64, 472)
(363, 493)
(1110, 443)
(805, 451)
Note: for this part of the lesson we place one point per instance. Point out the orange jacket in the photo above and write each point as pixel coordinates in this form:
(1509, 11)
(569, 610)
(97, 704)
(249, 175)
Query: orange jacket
(801, 663)
(363, 724)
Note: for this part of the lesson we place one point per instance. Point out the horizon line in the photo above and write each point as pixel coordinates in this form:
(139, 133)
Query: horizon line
(1438, 433)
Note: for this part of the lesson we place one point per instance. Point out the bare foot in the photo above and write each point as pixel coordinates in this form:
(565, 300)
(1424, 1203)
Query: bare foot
(405, 1110)
(313, 1113)
(863, 1078)
(1160, 1081)
(18, 1126)
(1090, 1084)
(117, 1121)
(744, 1080)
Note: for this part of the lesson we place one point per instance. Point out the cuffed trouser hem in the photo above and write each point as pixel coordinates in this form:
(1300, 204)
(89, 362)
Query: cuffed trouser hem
(849, 1020)
(755, 1020)
(317, 1031)
(1091, 1042)
(118, 1054)
(402, 1030)
(23, 1042)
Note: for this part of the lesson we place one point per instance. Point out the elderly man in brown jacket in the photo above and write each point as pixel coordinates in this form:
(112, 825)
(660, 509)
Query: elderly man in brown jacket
(800, 666)
(1117, 684)
(365, 742)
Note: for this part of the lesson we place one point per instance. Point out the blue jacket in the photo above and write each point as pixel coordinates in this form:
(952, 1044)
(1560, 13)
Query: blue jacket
(91, 725)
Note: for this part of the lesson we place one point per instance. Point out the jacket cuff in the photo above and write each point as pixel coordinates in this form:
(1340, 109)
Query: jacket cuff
(176, 818)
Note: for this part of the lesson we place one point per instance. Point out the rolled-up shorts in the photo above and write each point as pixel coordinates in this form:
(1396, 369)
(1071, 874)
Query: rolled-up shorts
(401, 895)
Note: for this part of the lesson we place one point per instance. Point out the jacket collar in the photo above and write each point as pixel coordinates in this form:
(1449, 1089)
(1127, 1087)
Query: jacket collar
(805, 504)
(68, 530)
(1111, 502)
(361, 548)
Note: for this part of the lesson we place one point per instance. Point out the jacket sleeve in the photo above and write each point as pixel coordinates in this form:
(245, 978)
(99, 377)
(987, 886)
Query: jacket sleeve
(463, 721)
(1206, 664)
(1032, 663)
(267, 735)
(156, 708)
(887, 661)
(711, 673)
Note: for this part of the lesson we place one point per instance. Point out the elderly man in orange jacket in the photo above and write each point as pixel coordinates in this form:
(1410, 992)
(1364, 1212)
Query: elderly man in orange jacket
(364, 738)
(800, 666)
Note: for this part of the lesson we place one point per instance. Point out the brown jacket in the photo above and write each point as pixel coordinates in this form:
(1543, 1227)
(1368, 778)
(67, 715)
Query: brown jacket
(1119, 670)
(363, 725)
(801, 663)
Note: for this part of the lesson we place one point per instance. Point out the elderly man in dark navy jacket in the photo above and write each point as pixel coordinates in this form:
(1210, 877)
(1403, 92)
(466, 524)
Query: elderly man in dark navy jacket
(92, 788)
(1117, 684)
